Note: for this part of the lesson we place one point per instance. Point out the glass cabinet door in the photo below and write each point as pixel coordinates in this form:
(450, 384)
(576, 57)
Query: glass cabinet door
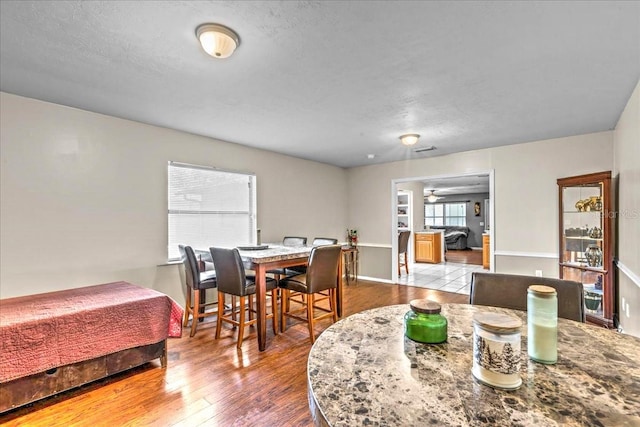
(585, 243)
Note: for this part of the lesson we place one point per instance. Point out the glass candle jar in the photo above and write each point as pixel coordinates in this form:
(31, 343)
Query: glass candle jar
(424, 323)
(542, 324)
(496, 350)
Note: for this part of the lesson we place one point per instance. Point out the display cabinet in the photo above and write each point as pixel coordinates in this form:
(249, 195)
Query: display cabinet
(586, 245)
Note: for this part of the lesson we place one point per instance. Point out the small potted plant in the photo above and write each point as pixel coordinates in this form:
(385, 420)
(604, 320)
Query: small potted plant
(352, 237)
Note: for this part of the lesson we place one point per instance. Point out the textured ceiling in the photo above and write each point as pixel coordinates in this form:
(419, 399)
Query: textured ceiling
(334, 81)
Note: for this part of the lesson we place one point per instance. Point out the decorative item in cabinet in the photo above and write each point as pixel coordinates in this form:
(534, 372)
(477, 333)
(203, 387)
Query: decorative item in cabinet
(586, 245)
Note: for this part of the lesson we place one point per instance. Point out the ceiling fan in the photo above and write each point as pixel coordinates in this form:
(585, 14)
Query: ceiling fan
(432, 198)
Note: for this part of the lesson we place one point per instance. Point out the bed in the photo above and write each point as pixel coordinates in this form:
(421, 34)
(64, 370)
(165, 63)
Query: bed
(56, 341)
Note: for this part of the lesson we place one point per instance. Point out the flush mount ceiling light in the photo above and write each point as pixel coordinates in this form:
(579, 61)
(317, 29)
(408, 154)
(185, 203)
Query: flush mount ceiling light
(217, 40)
(409, 139)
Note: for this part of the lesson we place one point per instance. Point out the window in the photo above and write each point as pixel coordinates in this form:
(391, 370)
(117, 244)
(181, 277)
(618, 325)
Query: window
(209, 207)
(445, 213)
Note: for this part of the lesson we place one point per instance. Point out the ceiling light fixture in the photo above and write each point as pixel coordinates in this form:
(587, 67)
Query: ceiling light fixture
(432, 198)
(409, 139)
(217, 40)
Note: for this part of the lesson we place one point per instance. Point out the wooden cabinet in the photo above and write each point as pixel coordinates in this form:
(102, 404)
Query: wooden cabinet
(428, 247)
(586, 246)
(486, 239)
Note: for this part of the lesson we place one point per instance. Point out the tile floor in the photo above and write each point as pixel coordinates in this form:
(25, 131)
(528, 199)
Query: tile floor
(447, 276)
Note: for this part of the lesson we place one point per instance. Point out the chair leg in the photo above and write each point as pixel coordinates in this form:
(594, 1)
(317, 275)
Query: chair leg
(220, 313)
(310, 302)
(233, 308)
(284, 308)
(195, 314)
(274, 310)
(187, 308)
(406, 264)
(203, 300)
(334, 304)
(241, 327)
(399, 265)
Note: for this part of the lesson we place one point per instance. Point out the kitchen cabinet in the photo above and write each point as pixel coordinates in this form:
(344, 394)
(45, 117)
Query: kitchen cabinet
(586, 241)
(428, 247)
(486, 240)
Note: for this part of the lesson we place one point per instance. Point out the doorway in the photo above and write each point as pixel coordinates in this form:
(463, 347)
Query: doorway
(456, 200)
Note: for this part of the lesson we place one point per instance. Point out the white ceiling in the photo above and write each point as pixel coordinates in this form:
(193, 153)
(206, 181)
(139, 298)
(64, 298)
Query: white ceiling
(468, 184)
(334, 81)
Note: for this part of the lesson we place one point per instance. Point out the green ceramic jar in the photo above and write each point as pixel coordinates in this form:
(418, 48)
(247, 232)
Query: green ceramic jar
(424, 323)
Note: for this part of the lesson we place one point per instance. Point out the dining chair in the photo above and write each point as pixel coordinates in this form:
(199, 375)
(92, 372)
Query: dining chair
(232, 280)
(197, 282)
(403, 244)
(510, 291)
(321, 275)
(278, 273)
(318, 241)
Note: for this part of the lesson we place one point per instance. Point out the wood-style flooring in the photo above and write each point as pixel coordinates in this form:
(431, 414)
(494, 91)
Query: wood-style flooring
(465, 257)
(210, 383)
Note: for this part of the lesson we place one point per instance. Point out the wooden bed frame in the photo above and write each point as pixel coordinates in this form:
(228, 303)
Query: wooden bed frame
(25, 390)
(113, 327)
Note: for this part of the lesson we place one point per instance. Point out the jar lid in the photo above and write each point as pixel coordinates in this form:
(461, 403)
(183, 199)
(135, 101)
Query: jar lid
(542, 290)
(425, 306)
(497, 322)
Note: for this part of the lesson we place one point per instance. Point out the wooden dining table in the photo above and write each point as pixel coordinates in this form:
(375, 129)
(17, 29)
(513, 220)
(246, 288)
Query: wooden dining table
(261, 260)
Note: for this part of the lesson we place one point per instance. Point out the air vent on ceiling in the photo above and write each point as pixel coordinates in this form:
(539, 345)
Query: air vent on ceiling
(422, 150)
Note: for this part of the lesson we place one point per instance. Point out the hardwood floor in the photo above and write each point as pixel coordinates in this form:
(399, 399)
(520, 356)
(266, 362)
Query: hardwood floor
(465, 257)
(209, 382)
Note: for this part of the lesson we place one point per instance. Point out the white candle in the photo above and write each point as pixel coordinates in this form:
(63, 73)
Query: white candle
(543, 343)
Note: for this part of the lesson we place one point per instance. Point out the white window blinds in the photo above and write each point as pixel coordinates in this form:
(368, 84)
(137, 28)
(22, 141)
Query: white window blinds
(209, 207)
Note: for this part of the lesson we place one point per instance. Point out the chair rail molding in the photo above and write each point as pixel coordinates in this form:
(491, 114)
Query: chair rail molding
(627, 272)
(527, 254)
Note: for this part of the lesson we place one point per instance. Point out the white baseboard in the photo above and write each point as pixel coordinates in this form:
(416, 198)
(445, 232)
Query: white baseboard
(376, 279)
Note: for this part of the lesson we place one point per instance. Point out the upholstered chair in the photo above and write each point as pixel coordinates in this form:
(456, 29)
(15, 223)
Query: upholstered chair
(197, 282)
(510, 291)
(232, 280)
(278, 273)
(403, 245)
(321, 275)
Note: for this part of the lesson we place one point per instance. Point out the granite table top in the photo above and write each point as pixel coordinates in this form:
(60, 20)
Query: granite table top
(363, 371)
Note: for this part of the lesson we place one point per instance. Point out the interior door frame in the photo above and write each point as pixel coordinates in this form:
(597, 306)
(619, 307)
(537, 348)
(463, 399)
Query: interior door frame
(394, 213)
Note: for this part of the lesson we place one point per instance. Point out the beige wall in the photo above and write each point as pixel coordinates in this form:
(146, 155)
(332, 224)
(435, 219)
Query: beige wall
(627, 169)
(526, 195)
(84, 197)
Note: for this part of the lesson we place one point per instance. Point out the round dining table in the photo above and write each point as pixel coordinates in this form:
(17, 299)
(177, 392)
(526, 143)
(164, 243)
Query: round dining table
(363, 371)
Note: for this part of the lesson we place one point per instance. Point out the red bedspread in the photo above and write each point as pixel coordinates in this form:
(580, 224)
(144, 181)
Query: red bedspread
(44, 331)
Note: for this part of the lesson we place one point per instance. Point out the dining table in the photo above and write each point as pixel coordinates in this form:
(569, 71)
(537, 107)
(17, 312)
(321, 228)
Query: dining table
(363, 370)
(262, 258)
